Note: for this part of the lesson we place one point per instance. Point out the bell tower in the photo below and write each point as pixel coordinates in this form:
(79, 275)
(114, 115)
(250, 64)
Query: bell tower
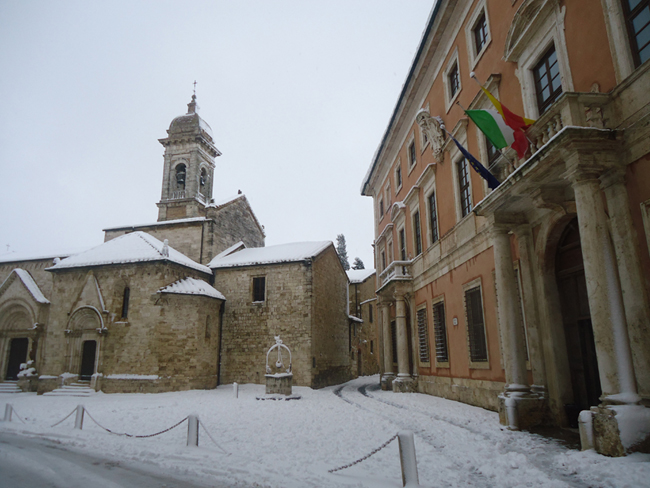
(188, 171)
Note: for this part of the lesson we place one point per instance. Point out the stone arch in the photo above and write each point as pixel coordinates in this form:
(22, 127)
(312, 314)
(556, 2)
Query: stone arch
(85, 324)
(17, 320)
(85, 318)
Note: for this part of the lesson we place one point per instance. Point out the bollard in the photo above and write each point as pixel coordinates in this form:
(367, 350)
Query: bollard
(79, 419)
(407, 459)
(8, 411)
(585, 423)
(192, 431)
(235, 389)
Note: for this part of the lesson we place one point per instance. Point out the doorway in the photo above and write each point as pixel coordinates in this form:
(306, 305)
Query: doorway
(88, 360)
(17, 356)
(576, 318)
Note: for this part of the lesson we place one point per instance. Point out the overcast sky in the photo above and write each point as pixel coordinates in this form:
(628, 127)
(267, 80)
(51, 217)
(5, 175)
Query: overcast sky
(298, 95)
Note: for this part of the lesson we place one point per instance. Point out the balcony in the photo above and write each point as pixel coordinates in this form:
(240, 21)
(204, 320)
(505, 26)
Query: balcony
(396, 271)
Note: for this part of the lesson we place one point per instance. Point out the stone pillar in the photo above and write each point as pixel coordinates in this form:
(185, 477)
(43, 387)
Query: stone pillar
(635, 296)
(604, 293)
(512, 328)
(389, 375)
(531, 309)
(404, 381)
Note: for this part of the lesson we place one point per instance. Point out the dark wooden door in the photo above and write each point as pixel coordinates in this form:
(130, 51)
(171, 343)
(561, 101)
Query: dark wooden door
(17, 356)
(88, 360)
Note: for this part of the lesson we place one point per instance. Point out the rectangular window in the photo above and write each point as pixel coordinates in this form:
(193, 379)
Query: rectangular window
(417, 234)
(259, 288)
(398, 177)
(423, 335)
(433, 215)
(475, 325)
(381, 208)
(125, 302)
(637, 17)
(412, 160)
(454, 81)
(492, 152)
(440, 332)
(480, 33)
(402, 245)
(370, 317)
(383, 260)
(463, 186)
(548, 84)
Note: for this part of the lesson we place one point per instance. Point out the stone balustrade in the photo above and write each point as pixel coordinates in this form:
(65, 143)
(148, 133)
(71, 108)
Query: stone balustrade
(396, 271)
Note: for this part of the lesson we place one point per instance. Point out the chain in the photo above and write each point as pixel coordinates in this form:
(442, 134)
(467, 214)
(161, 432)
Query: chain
(64, 418)
(374, 451)
(16, 414)
(132, 435)
(211, 438)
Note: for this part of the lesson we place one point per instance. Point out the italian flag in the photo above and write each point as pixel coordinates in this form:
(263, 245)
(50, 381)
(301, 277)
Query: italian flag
(502, 127)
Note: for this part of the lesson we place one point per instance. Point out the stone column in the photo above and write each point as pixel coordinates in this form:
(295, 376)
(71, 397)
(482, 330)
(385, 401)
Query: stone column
(402, 338)
(388, 375)
(531, 309)
(604, 293)
(512, 328)
(635, 296)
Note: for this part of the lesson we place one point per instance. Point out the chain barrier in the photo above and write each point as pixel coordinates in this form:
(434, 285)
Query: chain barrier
(66, 417)
(16, 414)
(133, 435)
(212, 438)
(374, 451)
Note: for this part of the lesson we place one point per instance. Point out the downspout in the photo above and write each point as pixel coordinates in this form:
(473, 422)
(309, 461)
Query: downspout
(201, 252)
(221, 312)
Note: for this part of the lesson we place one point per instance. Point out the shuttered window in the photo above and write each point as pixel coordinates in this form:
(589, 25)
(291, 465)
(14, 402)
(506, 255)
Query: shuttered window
(423, 335)
(475, 325)
(440, 331)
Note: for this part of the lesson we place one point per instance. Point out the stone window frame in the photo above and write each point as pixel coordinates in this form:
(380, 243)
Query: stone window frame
(416, 230)
(398, 176)
(632, 39)
(455, 156)
(545, 29)
(387, 195)
(476, 283)
(173, 173)
(402, 242)
(381, 209)
(470, 27)
(252, 290)
(450, 98)
(423, 342)
(435, 302)
(411, 164)
(126, 297)
(618, 37)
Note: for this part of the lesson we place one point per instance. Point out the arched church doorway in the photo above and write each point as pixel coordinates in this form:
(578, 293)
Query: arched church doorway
(88, 360)
(576, 318)
(17, 356)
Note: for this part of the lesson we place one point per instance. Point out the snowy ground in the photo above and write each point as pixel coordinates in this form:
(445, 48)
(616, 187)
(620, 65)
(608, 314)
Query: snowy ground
(294, 443)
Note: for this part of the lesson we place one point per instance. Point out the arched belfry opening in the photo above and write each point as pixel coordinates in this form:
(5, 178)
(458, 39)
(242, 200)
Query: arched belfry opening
(576, 319)
(181, 175)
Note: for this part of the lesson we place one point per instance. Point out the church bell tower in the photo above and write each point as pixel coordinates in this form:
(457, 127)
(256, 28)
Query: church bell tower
(188, 171)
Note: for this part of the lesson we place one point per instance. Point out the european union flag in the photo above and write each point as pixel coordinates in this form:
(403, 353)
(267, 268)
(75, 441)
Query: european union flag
(478, 167)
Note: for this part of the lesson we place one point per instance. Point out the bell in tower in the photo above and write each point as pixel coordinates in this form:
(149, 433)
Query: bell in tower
(188, 171)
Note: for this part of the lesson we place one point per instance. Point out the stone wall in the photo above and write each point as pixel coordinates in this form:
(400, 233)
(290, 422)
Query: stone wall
(249, 328)
(163, 335)
(36, 268)
(330, 339)
(366, 341)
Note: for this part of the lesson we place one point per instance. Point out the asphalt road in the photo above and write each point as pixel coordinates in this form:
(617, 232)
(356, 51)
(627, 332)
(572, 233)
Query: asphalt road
(27, 462)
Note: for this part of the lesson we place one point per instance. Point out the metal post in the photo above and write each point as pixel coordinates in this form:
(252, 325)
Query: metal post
(79, 419)
(407, 459)
(8, 411)
(192, 430)
(235, 389)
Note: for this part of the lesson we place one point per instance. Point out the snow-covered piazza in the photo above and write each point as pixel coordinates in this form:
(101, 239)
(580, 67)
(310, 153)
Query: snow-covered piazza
(295, 443)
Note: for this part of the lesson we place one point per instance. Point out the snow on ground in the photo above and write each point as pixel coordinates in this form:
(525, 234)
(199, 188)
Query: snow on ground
(294, 443)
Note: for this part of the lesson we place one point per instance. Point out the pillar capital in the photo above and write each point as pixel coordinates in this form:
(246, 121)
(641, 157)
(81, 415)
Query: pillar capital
(615, 176)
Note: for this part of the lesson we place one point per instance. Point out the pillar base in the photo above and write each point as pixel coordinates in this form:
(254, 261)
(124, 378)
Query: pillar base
(387, 381)
(521, 411)
(405, 384)
(619, 430)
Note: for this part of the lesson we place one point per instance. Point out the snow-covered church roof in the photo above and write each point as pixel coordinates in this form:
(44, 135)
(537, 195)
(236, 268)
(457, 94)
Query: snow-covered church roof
(192, 286)
(29, 283)
(282, 253)
(135, 247)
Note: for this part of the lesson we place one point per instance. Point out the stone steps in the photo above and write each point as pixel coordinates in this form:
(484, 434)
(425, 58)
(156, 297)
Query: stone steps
(10, 386)
(78, 389)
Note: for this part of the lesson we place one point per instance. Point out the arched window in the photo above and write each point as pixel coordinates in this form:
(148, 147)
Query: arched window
(203, 179)
(180, 176)
(125, 302)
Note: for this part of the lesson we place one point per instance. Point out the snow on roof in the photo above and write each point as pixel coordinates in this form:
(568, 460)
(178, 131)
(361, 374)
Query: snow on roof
(355, 319)
(235, 247)
(359, 275)
(220, 203)
(13, 256)
(134, 247)
(29, 283)
(154, 224)
(192, 286)
(283, 253)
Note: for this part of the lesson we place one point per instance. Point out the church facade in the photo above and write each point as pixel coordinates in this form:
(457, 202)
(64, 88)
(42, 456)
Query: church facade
(190, 301)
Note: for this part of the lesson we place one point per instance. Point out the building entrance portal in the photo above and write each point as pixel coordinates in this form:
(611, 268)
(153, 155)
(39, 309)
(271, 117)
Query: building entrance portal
(572, 286)
(88, 360)
(17, 356)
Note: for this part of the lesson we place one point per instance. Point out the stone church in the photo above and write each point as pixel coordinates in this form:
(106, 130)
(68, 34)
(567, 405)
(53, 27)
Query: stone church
(190, 301)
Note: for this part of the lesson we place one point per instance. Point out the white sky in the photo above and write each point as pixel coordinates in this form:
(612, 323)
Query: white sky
(298, 95)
